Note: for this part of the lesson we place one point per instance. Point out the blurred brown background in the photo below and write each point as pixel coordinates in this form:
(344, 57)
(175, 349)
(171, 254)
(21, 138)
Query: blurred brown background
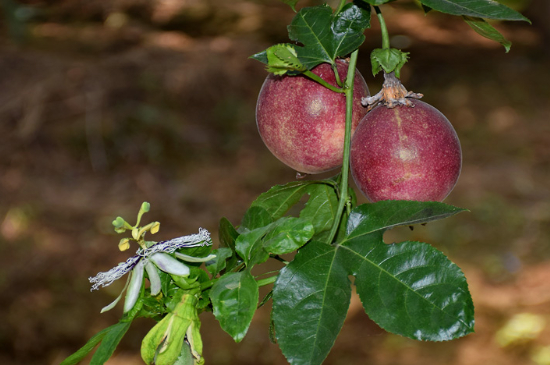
(105, 104)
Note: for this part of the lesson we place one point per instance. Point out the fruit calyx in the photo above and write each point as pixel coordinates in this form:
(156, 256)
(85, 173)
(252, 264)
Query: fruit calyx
(393, 93)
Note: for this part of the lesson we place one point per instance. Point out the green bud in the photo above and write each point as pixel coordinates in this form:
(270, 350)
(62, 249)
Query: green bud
(145, 207)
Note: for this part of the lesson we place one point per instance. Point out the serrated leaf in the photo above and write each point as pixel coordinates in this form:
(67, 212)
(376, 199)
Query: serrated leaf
(488, 9)
(348, 27)
(310, 301)
(407, 288)
(288, 235)
(234, 299)
(481, 27)
(389, 60)
(283, 58)
(386, 214)
(110, 342)
(326, 37)
(411, 289)
(312, 293)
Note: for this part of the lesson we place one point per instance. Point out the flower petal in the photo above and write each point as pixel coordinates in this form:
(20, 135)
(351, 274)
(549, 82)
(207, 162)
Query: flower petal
(169, 264)
(194, 259)
(112, 305)
(135, 286)
(154, 278)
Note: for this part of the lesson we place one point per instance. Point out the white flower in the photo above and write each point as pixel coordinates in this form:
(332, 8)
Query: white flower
(146, 259)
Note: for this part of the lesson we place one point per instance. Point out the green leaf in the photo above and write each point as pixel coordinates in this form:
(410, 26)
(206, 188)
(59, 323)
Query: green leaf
(282, 58)
(411, 289)
(249, 246)
(320, 209)
(488, 9)
(234, 298)
(110, 342)
(228, 234)
(288, 235)
(348, 27)
(312, 293)
(255, 217)
(261, 57)
(389, 60)
(79, 355)
(325, 36)
(311, 27)
(407, 288)
(386, 214)
(486, 30)
(377, 2)
(218, 263)
(310, 301)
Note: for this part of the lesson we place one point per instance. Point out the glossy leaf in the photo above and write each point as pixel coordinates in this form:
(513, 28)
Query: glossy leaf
(411, 289)
(386, 214)
(488, 9)
(310, 301)
(110, 342)
(325, 36)
(312, 293)
(348, 27)
(234, 298)
(291, 3)
(486, 30)
(288, 235)
(407, 288)
(321, 207)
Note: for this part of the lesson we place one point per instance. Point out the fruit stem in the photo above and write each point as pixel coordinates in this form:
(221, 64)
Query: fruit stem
(348, 90)
(314, 77)
(383, 29)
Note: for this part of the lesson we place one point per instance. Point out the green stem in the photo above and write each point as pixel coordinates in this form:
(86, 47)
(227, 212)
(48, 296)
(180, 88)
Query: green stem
(267, 281)
(348, 90)
(314, 77)
(383, 29)
(337, 75)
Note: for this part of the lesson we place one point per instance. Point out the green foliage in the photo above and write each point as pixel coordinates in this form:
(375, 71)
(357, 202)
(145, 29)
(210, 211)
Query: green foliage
(486, 30)
(324, 36)
(389, 60)
(234, 298)
(408, 288)
(488, 9)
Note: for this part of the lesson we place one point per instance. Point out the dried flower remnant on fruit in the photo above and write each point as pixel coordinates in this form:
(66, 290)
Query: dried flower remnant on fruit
(393, 93)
